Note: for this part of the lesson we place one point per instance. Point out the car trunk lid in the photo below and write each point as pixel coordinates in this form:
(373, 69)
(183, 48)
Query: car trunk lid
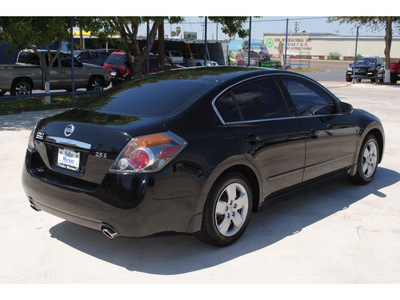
(83, 144)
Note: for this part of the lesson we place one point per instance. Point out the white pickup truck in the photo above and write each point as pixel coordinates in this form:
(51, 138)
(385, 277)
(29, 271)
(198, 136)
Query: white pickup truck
(27, 75)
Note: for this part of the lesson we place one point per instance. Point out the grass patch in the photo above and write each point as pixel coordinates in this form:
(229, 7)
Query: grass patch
(307, 70)
(15, 106)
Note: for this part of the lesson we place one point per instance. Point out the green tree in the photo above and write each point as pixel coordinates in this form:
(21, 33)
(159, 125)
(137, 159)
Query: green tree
(232, 25)
(128, 28)
(375, 23)
(34, 32)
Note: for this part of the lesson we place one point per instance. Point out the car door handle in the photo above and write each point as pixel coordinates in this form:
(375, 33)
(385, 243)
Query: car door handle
(313, 134)
(251, 139)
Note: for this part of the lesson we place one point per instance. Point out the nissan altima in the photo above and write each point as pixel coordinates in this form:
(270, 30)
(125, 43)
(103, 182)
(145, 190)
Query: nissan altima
(195, 151)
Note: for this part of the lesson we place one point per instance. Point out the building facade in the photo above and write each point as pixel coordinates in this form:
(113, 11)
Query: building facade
(320, 46)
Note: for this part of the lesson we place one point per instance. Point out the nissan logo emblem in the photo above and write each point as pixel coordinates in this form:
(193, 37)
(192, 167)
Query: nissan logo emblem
(69, 130)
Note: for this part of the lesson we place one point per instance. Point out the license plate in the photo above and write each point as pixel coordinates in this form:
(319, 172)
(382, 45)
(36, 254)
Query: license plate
(68, 159)
(113, 74)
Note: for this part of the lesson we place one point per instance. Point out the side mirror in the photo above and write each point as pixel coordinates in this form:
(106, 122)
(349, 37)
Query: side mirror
(346, 108)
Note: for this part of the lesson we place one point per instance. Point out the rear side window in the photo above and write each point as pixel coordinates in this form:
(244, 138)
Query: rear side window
(227, 108)
(308, 98)
(29, 58)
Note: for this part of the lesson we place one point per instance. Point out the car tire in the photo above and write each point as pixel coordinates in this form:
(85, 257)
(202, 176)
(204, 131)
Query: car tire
(95, 84)
(227, 210)
(367, 162)
(21, 87)
(348, 78)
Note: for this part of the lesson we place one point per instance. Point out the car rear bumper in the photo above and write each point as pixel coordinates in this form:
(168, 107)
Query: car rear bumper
(88, 208)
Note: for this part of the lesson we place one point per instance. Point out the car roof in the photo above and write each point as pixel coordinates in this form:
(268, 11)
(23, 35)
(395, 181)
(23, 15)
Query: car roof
(220, 74)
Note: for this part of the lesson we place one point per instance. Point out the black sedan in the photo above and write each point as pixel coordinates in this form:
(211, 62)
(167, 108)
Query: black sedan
(195, 151)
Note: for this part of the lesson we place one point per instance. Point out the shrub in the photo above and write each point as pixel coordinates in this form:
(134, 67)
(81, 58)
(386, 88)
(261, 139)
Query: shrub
(334, 56)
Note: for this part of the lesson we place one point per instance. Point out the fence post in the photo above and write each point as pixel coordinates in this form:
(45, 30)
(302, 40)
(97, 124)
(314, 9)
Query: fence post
(248, 50)
(72, 61)
(287, 29)
(355, 57)
(205, 41)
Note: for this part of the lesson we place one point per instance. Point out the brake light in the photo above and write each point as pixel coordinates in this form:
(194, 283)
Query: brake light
(128, 72)
(148, 153)
(31, 142)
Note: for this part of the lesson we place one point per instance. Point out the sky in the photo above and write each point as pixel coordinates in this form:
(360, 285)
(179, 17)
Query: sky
(310, 15)
(272, 24)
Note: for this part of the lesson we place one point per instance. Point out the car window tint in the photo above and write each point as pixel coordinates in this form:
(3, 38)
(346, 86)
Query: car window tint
(308, 98)
(94, 55)
(66, 60)
(148, 96)
(227, 108)
(260, 100)
(29, 58)
(84, 55)
(117, 59)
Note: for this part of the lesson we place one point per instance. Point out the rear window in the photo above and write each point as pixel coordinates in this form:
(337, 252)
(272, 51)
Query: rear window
(28, 58)
(117, 59)
(150, 96)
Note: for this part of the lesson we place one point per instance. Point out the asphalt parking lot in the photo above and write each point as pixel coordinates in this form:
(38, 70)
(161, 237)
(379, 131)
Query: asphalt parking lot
(336, 233)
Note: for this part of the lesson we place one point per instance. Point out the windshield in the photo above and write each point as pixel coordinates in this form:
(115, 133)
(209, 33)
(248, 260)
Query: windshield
(365, 61)
(150, 96)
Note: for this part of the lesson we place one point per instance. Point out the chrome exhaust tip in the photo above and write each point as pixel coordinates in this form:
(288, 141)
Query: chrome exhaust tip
(109, 232)
(33, 206)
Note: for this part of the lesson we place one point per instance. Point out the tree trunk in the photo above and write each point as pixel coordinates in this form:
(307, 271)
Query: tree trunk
(161, 47)
(388, 45)
(47, 99)
(141, 54)
(80, 39)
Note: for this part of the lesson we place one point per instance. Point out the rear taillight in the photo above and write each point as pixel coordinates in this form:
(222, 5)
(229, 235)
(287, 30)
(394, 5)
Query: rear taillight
(148, 153)
(31, 142)
(128, 72)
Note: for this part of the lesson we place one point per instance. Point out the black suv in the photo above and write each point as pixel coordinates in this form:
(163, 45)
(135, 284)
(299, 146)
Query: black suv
(367, 68)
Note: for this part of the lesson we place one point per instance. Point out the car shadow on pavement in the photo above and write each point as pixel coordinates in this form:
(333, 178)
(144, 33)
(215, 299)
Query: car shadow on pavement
(172, 254)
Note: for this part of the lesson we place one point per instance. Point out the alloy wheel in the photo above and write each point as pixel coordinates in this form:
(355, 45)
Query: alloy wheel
(231, 209)
(369, 159)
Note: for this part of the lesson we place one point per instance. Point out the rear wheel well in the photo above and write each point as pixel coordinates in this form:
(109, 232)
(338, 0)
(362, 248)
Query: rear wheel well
(27, 79)
(252, 179)
(20, 79)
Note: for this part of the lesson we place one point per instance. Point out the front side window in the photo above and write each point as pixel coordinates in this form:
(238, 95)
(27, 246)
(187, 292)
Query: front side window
(66, 60)
(254, 101)
(308, 98)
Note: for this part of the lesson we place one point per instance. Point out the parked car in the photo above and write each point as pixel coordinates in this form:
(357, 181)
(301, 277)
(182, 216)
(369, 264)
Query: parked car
(195, 150)
(367, 68)
(267, 62)
(175, 56)
(96, 57)
(198, 61)
(394, 72)
(26, 75)
(118, 65)
(254, 58)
